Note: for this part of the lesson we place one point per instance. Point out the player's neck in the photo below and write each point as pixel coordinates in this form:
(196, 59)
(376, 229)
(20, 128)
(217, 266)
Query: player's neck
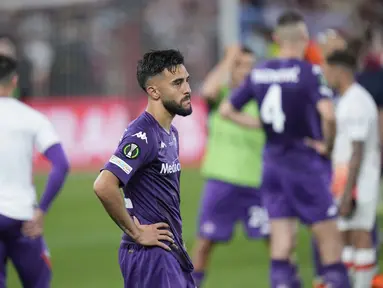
(162, 116)
(233, 84)
(290, 53)
(345, 86)
(4, 93)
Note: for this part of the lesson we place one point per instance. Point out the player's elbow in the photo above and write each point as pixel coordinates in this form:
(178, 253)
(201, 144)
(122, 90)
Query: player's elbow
(105, 185)
(65, 166)
(60, 165)
(226, 110)
(101, 188)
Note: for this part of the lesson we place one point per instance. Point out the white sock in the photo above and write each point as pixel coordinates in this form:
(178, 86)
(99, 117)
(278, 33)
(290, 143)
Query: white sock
(348, 260)
(364, 265)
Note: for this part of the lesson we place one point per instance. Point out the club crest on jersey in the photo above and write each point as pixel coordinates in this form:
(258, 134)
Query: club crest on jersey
(141, 135)
(131, 151)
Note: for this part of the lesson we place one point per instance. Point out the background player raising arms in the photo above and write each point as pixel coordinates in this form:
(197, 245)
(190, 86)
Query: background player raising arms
(294, 104)
(21, 220)
(146, 165)
(356, 161)
(230, 192)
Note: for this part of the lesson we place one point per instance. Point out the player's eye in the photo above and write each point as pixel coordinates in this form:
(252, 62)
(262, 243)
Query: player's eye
(177, 82)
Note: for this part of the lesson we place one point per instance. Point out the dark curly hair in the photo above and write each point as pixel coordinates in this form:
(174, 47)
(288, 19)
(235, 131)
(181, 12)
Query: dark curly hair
(8, 67)
(343, 58)
(289, 18)
(155, 62)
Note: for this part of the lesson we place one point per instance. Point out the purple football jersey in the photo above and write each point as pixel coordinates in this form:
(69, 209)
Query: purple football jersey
(147, 164)
(287, 91)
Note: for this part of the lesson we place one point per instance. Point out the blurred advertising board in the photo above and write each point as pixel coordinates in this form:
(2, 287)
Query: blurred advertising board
(90, 129)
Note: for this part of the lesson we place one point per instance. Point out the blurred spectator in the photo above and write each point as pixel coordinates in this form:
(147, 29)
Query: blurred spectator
(371, 75)
(258, 39)
(191, 29)
(35, 31)
(251, 14)
(95, 54)
(71, 72)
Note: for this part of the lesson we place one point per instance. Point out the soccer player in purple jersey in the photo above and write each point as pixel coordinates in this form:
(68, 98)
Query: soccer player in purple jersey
(294, 105)
(21, 218)
(146, 166)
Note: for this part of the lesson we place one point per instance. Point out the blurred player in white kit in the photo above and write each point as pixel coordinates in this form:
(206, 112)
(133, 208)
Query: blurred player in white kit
(356, 166)
(21, 217)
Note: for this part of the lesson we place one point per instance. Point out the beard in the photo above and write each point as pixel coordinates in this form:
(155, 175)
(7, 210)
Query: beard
(175, 108)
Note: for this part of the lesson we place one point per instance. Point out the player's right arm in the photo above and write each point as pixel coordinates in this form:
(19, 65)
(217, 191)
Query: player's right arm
(135, 150)
(231, 109)
(219, 76)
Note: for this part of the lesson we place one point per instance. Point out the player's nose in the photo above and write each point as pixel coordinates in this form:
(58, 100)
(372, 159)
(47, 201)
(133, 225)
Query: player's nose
(187, 89)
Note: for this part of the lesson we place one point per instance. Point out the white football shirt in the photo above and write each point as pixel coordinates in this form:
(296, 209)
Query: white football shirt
(21, 130)
(357, 120)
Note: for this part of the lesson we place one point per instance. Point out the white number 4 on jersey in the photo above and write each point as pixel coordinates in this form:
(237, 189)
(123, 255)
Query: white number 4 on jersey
(271, 110)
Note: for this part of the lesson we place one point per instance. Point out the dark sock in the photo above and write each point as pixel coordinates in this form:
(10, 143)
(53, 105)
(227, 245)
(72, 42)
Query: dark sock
(280, 274)
(336, 276)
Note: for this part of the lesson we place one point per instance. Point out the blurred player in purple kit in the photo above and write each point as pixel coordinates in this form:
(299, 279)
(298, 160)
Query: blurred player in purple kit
(146, 166)
(21, 219)
(231, 191)
(294, 105)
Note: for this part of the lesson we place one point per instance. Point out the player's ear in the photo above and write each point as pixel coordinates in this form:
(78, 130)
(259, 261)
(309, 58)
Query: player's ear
(15, 80)
(153, 92)
(275, 37)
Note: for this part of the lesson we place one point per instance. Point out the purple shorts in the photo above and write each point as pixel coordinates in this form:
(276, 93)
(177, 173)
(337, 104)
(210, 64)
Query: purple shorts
(148, 267)
(224, 204)
(29, 256)
(306, 196)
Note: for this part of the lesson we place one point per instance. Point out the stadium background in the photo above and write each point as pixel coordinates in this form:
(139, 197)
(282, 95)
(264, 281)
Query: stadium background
(78, 60)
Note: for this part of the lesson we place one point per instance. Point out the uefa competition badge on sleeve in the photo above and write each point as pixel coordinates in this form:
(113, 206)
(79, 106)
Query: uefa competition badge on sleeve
(131, 151)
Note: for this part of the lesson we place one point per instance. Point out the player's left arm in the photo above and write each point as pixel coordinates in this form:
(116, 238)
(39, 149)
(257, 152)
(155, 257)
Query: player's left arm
(231, 109)
(48, 144)
(357, 131)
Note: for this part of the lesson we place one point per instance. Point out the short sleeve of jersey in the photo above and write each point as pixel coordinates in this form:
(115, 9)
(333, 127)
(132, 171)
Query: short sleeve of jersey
(358, 123)
(318, 85)
(45, 134)
(242, 95)
(136, 149)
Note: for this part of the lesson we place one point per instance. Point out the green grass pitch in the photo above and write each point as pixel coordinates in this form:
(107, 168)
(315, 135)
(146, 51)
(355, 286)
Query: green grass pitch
(83, 242)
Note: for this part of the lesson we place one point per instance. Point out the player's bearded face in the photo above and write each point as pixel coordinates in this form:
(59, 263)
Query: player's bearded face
(176, 94)
(176, 108)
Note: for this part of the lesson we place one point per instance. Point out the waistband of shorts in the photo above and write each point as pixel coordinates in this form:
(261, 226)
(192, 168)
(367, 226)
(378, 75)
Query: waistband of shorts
(178, 252)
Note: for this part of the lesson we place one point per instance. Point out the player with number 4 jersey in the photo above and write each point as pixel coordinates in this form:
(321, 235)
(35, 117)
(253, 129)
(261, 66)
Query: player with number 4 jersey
(294, 105)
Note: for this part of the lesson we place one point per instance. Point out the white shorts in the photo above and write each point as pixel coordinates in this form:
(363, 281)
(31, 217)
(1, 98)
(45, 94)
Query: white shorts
(363, 219)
